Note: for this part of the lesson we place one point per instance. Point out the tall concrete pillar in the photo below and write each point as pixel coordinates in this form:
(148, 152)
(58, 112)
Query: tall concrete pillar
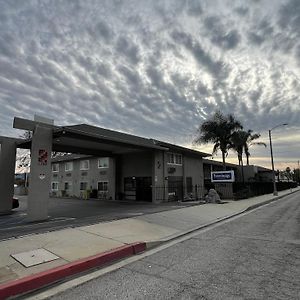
(7, 173)
(112, 178)
(40, 174)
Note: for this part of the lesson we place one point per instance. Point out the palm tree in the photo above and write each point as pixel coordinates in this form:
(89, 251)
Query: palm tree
(249, 142)
(218, 130)
(238, 141)
(27, 135)
(242, 140)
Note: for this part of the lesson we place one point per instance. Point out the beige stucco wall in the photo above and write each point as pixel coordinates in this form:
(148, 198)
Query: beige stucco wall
(92, 176)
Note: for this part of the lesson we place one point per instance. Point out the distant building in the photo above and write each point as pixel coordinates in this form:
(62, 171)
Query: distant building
(245, 174)
(258, 174)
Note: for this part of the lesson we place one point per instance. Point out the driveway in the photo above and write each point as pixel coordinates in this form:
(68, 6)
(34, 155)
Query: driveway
(66, 212)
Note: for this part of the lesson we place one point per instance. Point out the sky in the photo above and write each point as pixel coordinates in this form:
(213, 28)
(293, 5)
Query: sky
(156, 69)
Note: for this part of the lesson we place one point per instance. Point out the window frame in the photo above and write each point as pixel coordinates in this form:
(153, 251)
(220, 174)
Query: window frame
(66, 164)
(55, 171)
(70, 183)
(87, 185)
(88, 165)
(54, 182)
(103, 167)
(176, 156)
(103, 181)
(176, 159)
(170, 157)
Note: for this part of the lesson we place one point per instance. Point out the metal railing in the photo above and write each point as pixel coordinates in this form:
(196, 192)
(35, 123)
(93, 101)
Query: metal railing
(179, 193)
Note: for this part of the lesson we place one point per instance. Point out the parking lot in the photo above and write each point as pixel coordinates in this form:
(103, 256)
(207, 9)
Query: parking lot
(66, 212)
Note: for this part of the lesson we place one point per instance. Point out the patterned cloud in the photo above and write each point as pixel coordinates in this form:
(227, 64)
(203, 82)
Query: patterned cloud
(154, 68)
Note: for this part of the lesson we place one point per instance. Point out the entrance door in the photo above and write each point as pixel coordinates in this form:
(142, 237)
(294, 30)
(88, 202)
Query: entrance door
(138, 188)
(144, 189)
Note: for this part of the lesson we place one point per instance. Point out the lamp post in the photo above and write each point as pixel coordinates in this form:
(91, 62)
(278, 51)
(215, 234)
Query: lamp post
(275, 193)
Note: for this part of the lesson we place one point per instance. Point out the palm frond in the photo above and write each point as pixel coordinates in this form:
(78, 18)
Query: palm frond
(259, 144)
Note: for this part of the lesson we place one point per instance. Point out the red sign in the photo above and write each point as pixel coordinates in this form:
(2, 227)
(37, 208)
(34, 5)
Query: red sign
(43, 157)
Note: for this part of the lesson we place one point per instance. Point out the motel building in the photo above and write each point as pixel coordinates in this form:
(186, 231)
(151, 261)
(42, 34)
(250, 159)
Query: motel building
(152, 175)
(102, 163)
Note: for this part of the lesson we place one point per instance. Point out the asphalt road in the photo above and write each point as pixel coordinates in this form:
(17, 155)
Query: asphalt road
(256, 256)
(65, 213)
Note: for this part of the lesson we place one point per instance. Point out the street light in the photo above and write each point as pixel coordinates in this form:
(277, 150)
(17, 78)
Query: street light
(275, 193)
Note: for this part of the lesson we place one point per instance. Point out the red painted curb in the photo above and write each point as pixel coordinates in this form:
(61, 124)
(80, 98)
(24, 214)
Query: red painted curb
(35, 281)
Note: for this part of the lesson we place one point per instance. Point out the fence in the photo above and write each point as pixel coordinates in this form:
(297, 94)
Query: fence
(239, 190)
(252, 189)
(179, 193)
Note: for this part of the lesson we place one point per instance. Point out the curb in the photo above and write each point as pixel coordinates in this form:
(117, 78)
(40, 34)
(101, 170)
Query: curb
(269, 201)
(154, 244)
(39, 280)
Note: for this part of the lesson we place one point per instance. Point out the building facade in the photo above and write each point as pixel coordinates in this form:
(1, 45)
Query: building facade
(145, 175)
(80, 175)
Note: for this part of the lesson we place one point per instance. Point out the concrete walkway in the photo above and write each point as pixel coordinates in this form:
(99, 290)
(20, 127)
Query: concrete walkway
(77, 243)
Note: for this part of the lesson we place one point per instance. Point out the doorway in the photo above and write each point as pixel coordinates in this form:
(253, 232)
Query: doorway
(138, 188)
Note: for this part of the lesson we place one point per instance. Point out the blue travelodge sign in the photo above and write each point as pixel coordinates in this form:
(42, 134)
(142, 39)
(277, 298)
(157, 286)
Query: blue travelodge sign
(222, 176)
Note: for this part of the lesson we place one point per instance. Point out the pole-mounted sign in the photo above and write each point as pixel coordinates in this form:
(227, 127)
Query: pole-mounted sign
(222, 176)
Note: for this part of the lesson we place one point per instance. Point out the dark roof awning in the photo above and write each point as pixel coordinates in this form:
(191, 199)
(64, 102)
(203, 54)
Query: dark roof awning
(92, 140)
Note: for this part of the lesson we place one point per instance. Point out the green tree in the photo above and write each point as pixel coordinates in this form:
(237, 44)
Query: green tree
(296, 175)
(288, 173)
(218, 130)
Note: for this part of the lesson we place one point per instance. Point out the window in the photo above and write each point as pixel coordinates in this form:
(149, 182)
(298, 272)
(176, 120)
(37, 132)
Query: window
(68, 166)
(83, 186)
(55, 167)
(84, 164)
(103, 162)
(170, 158)
(175, 159)
(103, 186)
(54, 186)
(178, 159)
(68, 186)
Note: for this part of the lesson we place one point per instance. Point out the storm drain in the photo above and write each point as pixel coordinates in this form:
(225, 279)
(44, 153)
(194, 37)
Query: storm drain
(34, 257)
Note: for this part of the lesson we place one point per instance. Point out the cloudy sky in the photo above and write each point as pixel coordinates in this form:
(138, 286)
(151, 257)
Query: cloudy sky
(155, 68)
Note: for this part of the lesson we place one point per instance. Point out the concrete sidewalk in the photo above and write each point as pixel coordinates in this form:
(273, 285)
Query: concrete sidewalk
(73, 244)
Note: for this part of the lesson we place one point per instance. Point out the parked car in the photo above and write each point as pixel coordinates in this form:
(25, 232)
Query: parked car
(15, 202)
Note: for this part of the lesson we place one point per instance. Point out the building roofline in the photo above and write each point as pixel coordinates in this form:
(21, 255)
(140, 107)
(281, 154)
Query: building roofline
(73, 131)
(216, 162)
(181, 148)
(69, 157)
(99, 134)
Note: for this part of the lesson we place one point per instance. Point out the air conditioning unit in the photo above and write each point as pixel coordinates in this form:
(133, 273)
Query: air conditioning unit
(171, 170)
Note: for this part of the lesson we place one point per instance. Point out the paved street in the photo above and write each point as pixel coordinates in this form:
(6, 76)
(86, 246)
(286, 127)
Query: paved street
(256, 256)
(65, 213)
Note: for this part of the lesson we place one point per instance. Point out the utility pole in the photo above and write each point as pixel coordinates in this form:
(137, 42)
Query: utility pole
(298, 173)
(275, 193)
